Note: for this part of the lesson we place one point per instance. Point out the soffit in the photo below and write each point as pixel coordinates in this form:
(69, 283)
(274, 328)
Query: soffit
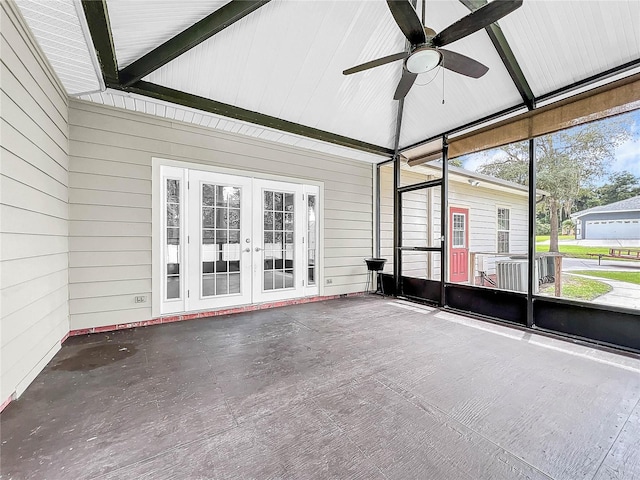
(60, 32)
(178, 113)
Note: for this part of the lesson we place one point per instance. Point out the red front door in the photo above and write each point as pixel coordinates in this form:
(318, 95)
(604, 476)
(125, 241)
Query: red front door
(459, 244)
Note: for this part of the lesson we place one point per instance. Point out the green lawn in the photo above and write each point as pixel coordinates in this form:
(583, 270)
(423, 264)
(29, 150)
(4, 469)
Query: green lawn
(578, 288)
(578, 251)
(630, 277)
(545, 238)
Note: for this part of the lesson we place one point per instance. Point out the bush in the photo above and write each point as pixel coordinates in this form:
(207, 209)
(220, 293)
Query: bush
(543, 228)
(568, 227)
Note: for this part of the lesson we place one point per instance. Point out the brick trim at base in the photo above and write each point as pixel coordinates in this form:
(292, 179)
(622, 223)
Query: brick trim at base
(213, 313)
(6, 402)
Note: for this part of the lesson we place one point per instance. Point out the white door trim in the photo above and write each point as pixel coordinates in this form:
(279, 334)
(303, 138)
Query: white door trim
(157, 221)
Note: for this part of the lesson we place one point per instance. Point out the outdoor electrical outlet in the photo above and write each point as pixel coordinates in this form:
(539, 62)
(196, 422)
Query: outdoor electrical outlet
(140, 299)
(329, 281)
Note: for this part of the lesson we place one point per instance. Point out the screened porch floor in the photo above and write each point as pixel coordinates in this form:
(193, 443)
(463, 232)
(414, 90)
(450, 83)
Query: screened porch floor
(360, 387)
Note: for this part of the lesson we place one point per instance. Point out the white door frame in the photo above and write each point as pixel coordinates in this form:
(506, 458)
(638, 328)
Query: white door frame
(197, 252)
(158, 164)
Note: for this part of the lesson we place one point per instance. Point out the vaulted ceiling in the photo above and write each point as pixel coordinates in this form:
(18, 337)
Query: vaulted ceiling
(274, 68)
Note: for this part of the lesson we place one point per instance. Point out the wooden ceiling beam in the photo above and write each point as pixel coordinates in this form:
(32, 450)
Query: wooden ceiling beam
(194, 35)
(97, 17)
(178, 97)
(506, 55)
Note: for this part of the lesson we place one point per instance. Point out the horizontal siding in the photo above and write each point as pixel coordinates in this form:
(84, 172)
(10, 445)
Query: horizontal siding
(84, 196)
(107, 289)
(24, 269)
(90, 320)
(483, 220)
(15, 168)
(107, 273)
(23, 196)
(20, 246)
(110, 182)
(33, 206)
(418, 228)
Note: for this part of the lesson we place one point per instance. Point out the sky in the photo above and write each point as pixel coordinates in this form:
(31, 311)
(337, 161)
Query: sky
(627, 154)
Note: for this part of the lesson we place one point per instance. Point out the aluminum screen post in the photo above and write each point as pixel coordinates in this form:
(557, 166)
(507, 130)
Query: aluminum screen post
(532, 231)
(444, 220)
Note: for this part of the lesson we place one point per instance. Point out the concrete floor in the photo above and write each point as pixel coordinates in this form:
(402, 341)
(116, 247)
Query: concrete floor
(362, 387)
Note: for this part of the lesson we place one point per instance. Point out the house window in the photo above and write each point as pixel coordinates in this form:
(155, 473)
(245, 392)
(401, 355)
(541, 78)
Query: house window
(503, 230)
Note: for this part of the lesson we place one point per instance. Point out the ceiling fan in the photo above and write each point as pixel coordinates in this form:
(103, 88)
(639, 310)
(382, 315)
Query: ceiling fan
(425, 54)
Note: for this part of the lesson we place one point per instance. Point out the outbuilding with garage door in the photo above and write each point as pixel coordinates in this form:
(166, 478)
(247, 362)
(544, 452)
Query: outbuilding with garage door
(616, 221)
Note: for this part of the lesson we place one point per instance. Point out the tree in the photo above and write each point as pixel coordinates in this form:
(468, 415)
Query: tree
(587, 198)
(621, 185)
(567, 162)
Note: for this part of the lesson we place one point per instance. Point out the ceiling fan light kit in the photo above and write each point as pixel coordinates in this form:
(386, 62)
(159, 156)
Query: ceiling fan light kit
(423, 59)
(425, 53)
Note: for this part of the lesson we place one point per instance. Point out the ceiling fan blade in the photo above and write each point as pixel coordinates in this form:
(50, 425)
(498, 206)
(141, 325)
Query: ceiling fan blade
(477, 20)
(462, 64)
(376, 63)
(408, 21)
(405, 84)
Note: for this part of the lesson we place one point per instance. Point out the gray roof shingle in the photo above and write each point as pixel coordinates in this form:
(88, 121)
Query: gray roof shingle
(632, 203)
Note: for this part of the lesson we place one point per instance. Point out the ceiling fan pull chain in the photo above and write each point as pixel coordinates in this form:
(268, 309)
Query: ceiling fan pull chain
(442, 81)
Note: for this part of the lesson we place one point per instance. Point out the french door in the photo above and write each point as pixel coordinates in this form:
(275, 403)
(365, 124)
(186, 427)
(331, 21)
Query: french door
(231, 240)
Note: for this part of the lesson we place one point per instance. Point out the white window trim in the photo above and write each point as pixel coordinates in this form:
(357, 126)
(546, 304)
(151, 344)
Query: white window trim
(498, 229)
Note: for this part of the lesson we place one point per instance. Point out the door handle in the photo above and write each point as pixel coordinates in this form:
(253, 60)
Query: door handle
(258, 249)
(247, 249)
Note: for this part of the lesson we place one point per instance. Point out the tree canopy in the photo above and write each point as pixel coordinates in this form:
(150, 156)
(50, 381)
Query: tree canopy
(568, 163)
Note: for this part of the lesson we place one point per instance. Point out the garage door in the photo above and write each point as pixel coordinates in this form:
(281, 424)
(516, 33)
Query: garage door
(612, 229)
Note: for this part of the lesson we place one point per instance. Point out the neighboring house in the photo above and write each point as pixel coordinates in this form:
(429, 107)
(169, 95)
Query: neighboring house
(616, 221)
(487, 220)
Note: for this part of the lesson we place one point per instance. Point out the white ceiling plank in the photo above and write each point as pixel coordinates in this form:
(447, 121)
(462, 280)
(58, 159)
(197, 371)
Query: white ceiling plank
(286, 60)
(558, 43)
(139, 26)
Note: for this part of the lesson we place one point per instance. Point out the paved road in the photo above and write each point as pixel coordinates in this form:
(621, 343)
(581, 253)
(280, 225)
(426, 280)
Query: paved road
(569, 264)
(631, 243)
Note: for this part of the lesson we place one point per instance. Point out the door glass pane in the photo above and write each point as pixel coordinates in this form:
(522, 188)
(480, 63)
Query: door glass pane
(172, 221)
(278, 240)
(311, 240)
(458, 240)
(220, 240)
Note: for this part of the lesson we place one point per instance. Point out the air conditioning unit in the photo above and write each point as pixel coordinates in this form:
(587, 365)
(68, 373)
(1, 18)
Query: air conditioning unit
(546, 269)
(481, 263)
(512, 275)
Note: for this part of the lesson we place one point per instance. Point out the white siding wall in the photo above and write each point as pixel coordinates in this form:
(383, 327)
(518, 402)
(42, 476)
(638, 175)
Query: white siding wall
(482, 203)
(34, 208)
(111, 153)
